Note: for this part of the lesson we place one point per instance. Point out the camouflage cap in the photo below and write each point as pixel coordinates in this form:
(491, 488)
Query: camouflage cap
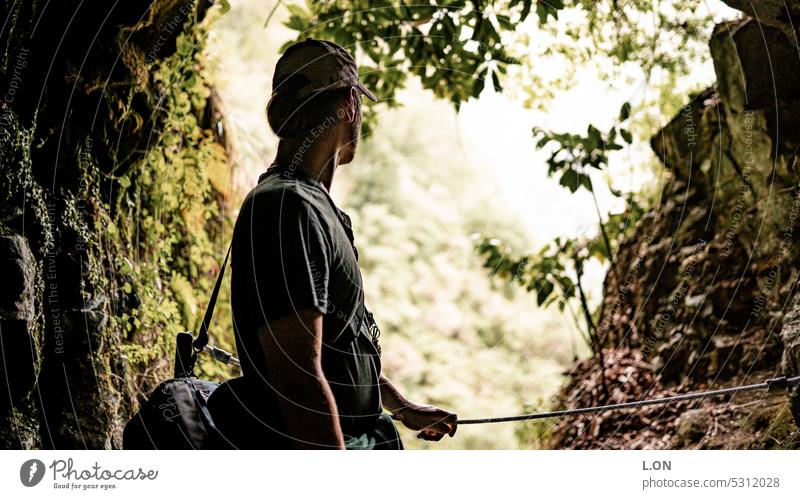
(312, 66)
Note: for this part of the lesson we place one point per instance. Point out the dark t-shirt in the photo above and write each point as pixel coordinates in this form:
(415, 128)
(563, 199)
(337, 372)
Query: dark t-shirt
(293, 250)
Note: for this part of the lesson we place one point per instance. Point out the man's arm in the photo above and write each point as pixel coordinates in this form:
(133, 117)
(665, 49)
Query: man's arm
(433, 423)
(393, 401)
(293, 350)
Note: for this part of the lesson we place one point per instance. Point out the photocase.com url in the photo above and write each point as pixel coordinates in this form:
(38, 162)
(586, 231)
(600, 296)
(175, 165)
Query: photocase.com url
(712, 483)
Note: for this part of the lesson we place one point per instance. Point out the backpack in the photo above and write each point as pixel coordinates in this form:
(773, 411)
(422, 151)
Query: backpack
(176, 415)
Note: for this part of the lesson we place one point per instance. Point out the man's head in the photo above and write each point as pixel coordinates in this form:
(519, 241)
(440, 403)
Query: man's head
(316, 93)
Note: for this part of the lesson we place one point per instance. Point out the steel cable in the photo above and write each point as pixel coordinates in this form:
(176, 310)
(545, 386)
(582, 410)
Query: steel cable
(772, 384)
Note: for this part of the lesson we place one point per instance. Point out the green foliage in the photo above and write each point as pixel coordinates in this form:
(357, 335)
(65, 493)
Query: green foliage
(452, 47)
(542, 273)
(574, 155)
(554, 272)
(545, 9)
(161, 234)
(634, 31)
(17, 176)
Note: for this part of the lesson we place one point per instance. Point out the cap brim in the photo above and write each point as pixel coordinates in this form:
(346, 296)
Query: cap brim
(360, 86)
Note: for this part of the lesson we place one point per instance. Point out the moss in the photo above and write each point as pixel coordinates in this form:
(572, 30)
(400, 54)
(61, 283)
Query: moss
(24, 434)
(780, 431)
(137, 207)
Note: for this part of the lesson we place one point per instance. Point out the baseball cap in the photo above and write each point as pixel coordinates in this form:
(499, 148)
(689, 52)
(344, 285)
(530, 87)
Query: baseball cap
(313, 66)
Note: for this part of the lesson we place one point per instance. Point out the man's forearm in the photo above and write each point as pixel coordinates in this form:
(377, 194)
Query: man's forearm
(391, 397)
(309, 412)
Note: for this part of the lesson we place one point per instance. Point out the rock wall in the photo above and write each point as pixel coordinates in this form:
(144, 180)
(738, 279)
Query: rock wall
(704, 291)
(89, 132)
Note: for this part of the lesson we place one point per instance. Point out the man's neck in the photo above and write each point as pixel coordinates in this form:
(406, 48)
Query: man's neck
(319, 161)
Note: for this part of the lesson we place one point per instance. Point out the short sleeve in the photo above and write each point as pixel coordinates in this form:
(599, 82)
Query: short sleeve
(290, 255)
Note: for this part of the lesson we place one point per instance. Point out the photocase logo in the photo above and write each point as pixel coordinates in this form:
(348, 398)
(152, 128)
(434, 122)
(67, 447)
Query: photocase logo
(31, 472)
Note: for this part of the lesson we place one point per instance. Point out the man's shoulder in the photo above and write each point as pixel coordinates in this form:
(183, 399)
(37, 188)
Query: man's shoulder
(278, 191)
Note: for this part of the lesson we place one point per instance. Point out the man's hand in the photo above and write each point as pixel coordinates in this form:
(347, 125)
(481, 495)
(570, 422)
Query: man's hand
(432, 422)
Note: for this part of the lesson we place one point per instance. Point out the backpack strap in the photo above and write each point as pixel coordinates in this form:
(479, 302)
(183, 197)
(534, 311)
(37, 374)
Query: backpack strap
(202, 337)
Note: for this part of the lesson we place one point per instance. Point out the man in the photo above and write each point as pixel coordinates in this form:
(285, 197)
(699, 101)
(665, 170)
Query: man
(304, 336)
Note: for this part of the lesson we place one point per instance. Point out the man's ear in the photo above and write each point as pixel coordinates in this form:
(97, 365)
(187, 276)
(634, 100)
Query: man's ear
(351, 105)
